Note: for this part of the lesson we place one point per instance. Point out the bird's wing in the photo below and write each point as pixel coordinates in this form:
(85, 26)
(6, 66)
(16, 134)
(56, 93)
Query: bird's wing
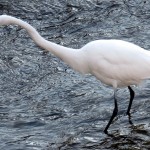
(128, 63)
(118, 60)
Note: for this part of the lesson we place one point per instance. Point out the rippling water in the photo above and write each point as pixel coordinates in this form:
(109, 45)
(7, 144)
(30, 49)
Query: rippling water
(46, 105)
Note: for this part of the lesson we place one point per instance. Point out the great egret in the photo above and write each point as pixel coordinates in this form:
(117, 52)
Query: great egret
(114, 62)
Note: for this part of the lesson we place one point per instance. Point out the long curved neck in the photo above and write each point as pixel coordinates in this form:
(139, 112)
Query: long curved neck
(73, 57)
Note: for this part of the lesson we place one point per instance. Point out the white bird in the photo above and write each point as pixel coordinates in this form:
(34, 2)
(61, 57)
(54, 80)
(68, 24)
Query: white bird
(114, 62)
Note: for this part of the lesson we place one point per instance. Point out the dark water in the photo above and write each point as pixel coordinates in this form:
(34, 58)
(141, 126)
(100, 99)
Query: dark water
(44, 105)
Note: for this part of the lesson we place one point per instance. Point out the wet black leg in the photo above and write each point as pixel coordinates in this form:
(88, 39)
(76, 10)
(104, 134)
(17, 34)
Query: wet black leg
(131, 100)
(115, 111)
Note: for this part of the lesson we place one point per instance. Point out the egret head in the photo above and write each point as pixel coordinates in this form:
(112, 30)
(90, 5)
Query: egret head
(5, 20)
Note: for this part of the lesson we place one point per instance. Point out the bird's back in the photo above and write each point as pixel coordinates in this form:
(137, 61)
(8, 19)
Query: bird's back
(117, 62)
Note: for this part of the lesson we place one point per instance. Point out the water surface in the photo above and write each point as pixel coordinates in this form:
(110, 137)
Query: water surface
(46, 105)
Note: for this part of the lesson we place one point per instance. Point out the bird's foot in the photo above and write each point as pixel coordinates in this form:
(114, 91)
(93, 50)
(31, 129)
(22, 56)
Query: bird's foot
(129, 117)
(105, 131)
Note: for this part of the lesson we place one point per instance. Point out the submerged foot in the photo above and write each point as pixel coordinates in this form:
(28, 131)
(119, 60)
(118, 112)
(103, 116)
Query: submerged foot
(129, 117)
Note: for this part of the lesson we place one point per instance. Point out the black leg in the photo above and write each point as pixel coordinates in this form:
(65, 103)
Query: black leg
(115, 111)
(131, 100)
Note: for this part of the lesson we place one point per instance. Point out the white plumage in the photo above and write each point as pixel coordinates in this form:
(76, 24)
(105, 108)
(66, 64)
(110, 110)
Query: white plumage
(114, 62)
(117, 63)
